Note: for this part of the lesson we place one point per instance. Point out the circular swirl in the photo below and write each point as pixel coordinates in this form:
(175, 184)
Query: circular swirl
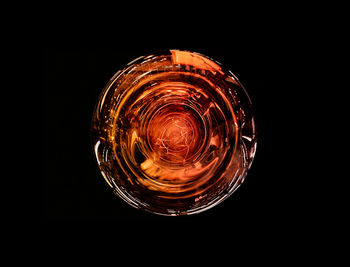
(173, 133)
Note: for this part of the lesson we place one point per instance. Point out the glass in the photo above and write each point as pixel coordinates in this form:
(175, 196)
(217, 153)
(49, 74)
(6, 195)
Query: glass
(173, 133)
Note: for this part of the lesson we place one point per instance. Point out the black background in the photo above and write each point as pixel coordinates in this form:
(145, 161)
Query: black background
(268, 204)
(74, 188)
(279, 51)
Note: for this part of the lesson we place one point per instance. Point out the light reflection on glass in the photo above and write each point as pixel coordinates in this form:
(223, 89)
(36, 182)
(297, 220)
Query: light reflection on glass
(174, 133)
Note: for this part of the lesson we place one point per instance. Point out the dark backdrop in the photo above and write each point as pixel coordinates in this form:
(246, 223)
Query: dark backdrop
(279, 210)
(76, 192)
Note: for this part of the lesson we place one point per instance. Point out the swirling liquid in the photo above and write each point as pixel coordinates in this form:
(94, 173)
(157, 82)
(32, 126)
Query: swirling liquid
(173, 133)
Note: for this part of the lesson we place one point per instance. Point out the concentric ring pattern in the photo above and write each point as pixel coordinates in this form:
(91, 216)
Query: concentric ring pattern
(173, 133)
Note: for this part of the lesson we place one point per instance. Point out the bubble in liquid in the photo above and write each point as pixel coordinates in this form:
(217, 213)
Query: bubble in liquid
(173, 133)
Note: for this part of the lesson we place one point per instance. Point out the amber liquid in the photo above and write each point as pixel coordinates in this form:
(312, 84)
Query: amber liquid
(168, 133)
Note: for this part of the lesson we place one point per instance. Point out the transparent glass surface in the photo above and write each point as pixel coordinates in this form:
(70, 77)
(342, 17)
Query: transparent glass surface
(173, 133)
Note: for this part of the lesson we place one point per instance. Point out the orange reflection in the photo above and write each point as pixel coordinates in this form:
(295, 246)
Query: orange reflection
(193, 59)
(166, 133)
